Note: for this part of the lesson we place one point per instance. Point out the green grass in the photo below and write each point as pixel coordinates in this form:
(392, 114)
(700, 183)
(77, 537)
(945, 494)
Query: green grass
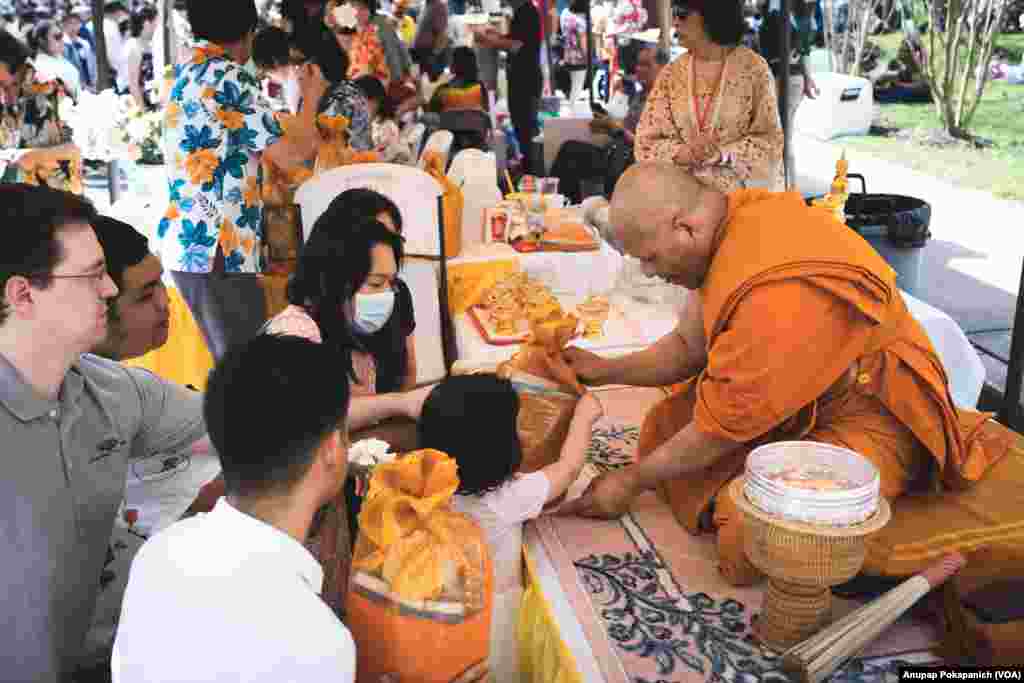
(1000, 118)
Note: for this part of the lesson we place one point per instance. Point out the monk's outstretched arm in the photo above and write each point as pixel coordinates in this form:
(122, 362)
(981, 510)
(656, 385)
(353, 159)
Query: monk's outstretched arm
(677, 356)
(688, 452)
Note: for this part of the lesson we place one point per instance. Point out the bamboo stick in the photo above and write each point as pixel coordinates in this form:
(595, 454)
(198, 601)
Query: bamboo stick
(818, 657)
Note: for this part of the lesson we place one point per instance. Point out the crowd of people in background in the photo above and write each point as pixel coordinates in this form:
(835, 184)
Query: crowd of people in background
(62, 40)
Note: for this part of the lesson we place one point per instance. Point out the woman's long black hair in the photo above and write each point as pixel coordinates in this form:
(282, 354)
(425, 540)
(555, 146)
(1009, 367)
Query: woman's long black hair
(391, 354)
(333, 264)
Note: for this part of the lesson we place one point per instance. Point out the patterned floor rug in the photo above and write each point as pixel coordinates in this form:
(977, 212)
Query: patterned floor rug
(651, 601)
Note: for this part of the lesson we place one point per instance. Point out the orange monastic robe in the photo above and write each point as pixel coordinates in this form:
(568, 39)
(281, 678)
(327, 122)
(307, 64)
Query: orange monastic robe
(808, 338)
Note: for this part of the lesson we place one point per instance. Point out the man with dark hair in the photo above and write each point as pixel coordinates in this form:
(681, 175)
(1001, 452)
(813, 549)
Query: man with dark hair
(139, 315)
(220, 129)
(69, 424)
(235, 589)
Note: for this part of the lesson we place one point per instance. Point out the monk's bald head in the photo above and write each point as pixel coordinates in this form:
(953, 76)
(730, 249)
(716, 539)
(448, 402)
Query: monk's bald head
(668, 219)
(653, 187)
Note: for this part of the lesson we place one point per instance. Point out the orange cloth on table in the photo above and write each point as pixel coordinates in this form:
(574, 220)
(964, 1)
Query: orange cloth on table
(185, 358)
(808, 338)
(452, 203)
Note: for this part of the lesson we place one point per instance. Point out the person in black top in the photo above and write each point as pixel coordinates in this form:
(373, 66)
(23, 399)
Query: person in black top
(524, 76)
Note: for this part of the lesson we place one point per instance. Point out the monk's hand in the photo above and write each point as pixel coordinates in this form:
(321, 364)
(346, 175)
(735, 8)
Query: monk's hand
(608, 496)
(589, 367)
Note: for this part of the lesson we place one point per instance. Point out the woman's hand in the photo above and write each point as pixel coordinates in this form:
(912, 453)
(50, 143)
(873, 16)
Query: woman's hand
(704, 151)
(810, 87)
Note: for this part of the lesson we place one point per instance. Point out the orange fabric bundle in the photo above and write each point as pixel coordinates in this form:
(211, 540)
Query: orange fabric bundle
(548, 391)
(420, 597)
(541, 356)
(334, 150)
(282, 222)
(452, 203)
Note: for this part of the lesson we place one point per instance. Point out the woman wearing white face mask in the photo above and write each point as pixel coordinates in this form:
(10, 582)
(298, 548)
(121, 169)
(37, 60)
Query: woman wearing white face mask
(343, 294)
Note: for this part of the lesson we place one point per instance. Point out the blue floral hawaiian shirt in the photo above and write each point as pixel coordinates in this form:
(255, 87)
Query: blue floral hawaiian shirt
(216, 128)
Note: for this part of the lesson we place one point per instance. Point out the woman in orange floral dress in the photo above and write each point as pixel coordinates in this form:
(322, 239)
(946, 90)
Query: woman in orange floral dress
(359, 38)
(714, 110)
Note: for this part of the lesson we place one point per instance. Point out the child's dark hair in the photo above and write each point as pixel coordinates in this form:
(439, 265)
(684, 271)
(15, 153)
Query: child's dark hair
(472, 418)
(373, 90)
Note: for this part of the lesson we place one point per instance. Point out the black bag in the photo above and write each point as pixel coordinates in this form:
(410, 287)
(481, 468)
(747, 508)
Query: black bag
(620, 157)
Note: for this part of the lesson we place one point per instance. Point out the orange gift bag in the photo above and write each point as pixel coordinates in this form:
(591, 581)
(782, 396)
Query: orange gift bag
(420, 597)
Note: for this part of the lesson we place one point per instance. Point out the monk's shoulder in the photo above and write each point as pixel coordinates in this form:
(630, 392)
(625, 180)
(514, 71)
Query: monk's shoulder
(792, 303)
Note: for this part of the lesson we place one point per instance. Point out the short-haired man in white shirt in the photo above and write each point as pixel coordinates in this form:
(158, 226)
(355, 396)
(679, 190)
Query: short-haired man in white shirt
(233, 595)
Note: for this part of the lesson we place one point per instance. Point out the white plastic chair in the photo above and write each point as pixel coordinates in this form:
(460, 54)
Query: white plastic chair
(440, 142)
(416, 194)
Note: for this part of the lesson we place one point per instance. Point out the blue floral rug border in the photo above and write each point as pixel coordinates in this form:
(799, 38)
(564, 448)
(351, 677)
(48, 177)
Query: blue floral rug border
(648, 614)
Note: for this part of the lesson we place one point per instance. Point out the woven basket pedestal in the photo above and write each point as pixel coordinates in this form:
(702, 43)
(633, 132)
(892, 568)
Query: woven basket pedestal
(802, 562)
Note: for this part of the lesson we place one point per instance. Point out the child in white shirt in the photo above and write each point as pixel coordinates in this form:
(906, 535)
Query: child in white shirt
(387, 137)
(473, 419)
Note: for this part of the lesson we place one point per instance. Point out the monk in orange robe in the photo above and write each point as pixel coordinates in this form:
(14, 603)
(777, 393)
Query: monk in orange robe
(795, 331)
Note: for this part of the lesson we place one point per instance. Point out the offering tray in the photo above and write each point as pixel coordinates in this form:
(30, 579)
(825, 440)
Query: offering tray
(804, 481)
(487, 328)
(802, 561)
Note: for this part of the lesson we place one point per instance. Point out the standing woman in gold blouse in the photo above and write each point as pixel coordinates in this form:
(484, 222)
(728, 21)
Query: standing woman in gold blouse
(714, 110)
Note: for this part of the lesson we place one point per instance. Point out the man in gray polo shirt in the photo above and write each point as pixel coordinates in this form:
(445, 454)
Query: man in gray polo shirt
(69, 425)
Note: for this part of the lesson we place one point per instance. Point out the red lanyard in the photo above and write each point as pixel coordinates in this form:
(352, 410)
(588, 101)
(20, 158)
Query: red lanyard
(702, 110)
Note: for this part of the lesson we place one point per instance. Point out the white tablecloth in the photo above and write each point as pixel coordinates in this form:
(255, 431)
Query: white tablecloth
(963, 365)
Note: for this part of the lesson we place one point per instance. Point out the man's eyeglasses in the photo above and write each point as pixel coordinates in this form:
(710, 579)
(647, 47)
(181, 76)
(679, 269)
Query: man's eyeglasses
(96, 277)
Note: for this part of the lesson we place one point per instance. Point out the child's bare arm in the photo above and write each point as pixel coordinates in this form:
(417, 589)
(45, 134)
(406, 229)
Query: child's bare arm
(563, 473)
